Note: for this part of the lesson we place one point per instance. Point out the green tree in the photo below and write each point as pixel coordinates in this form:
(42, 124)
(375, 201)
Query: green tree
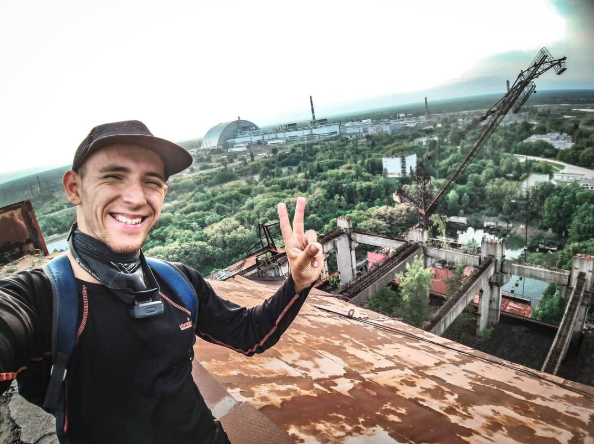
(465, 201)
(455, 282)
(439, 221)
(471, 247)
(566, 255)
(457, 329)
(550, 308)
(558, 209)
(385, 301)
(414, 288)
(582, 224)
(453, 203)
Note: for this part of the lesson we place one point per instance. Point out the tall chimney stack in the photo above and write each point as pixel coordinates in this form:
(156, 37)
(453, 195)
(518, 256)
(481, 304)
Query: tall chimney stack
(313, 114)
(507, 86)
(426, 109)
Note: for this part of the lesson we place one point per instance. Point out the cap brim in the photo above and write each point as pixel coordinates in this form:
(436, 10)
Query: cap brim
(175, 158)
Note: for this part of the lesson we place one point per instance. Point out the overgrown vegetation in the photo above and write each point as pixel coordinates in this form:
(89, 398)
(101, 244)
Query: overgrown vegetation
(211, 218)
(551, 307)
(411, 301)
(414, 288)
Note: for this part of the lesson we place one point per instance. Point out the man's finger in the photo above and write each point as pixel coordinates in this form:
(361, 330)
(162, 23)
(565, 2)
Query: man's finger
(312, 251)
(299, 214)
(285, 225)
(311, 236)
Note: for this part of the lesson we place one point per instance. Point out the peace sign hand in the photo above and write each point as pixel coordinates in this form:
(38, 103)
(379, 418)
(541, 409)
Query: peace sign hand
(303, 250)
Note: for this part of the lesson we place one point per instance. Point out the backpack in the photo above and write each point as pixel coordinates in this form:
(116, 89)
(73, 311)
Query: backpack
(65, 320)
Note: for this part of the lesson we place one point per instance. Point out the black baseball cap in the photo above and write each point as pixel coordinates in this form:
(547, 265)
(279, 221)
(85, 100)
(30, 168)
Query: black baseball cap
(175, 158)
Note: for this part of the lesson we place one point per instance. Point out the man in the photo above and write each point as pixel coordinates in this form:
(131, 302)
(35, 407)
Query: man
(129, 379)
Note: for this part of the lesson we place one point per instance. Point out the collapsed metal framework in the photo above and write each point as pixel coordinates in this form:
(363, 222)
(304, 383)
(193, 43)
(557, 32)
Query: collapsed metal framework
(265, 237)
(515, 98)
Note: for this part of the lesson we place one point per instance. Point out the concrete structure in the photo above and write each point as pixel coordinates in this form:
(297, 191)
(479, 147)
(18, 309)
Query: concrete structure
(532, 180)
(360, 291)
(559, 141)
(462, 220)
(345, 251)
(563, 177)
(447, 313)
(424, 140)
(567, 328)
(400, 166)
(217, 136)
(243, 133)
(492, 273)
(286, 133)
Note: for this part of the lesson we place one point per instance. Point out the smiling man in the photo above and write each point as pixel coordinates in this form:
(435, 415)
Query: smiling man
(129, 378)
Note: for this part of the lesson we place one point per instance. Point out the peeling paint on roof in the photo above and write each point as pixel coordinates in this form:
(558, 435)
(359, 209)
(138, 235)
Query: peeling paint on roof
(372, 379)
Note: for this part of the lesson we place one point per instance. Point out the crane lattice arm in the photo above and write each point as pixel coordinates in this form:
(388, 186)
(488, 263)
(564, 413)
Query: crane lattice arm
(517, 95)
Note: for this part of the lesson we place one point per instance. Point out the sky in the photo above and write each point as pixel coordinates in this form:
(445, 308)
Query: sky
(182, 67)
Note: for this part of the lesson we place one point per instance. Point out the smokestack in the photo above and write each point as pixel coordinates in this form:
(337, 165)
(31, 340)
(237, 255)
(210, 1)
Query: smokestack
(507, 86)
(426, 109)
(313, 114)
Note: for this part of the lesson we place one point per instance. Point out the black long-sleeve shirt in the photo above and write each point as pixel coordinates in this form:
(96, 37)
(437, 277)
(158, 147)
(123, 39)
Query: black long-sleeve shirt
(130, 380)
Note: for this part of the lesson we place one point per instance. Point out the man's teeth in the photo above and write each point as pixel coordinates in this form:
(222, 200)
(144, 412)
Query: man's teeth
(125, 220)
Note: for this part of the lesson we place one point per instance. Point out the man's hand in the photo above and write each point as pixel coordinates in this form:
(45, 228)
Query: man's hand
(303, 250)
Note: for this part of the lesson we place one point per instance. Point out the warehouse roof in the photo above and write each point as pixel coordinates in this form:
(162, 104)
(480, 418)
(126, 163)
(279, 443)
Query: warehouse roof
(368, 378)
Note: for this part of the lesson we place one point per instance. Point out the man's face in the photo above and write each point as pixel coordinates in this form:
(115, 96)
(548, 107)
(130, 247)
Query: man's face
(121, 189)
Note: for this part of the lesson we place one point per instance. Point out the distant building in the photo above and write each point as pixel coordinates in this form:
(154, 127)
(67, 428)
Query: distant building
(400, 166)
(568, 177)
(532, 180)
(424, 140)
(495, 223)
(244, 132)
(238, 149)
(462, 220)
(217, 136)
(559, 141)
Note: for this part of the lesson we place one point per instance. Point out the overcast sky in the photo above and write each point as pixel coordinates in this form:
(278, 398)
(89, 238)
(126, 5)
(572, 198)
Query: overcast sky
(185, 66)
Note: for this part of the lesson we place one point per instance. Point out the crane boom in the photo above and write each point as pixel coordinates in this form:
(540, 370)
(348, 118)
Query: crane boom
(517, 95)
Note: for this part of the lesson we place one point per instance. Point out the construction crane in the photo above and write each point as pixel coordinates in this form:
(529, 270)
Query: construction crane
(515, 98)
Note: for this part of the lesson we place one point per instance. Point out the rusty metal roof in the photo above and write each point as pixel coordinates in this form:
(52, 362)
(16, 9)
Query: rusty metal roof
(371, 379)
(20, 234)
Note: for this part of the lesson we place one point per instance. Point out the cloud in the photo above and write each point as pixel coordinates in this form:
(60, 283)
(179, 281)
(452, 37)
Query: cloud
(182, 67)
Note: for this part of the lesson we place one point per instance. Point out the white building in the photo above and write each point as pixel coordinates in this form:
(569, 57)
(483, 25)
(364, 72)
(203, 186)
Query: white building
(424, 140)
(559, 141)
(568, 177)
(532, 180)
(397, 168)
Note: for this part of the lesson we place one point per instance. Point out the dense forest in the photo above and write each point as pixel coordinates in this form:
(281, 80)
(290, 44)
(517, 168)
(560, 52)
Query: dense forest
(211, 216)
(211, 219)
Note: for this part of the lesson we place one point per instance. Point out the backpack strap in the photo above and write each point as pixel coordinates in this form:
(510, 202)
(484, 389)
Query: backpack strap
(64, 327)
(178, 282)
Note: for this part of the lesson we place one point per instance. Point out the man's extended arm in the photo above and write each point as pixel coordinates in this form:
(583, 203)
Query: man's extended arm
(25, 323)
(245, 330)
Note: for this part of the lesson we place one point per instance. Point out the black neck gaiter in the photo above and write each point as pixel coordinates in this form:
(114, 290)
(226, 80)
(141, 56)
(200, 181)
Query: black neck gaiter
(125, 274)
